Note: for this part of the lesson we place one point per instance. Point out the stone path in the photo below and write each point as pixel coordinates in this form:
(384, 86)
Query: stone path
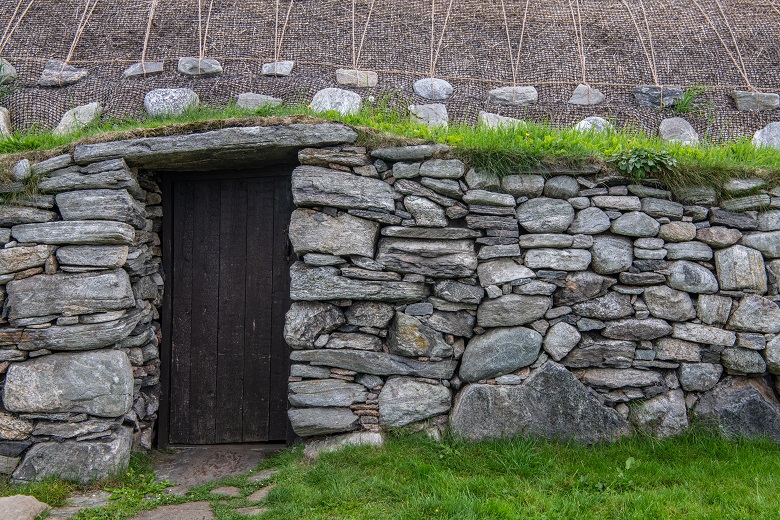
(191, 511)
(191, 466)
(80, 500)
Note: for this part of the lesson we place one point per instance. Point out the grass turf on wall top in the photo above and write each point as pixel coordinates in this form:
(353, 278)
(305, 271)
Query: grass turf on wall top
(502, 151)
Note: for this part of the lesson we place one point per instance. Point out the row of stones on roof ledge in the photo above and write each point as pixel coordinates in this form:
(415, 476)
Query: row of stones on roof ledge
(57, 73)
(161, 102)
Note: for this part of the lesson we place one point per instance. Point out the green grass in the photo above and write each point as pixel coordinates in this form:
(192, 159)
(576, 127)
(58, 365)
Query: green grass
(693, 476)
(501, 151)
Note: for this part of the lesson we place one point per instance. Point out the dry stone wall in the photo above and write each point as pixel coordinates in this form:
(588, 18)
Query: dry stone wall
(554, 304)
(572, 305)
(82, 287)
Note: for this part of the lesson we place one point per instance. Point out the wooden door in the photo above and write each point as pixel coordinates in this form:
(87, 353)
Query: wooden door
(229, 291)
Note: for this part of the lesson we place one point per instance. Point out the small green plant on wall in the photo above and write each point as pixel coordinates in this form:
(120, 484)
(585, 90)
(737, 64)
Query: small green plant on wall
(641, 163)
(687, 102)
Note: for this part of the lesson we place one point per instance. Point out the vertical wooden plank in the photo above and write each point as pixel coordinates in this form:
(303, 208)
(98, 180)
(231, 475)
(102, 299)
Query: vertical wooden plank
(205, 311)
(280, 352)
(232, 297)
(258, 325)
(181, 334)
(166, 318)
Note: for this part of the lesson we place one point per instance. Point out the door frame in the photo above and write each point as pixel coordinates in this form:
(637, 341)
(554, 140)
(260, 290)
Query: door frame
(166, 315)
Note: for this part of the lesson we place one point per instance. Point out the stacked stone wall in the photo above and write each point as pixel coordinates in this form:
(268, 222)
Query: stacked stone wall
(82, 286)
(557, 304)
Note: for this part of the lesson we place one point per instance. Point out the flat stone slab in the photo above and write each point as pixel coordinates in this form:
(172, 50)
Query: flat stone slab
(335, 99)
(190, 466)
(356, 78)
(263, 475)
(59, 74)
(170, 101)
(144, 70)
(250, 511)
(260, 494)
(204, 67)
(190, 511)
(278, 68)
(229, 491)
(78, 501)
(252, 101)
(216, 149)
(98, 383)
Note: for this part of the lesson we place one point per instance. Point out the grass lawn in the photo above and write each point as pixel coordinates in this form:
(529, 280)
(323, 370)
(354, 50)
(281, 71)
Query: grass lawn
(694, 476)
(501, 151)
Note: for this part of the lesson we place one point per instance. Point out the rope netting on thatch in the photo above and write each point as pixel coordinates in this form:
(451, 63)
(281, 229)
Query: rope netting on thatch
(475, 44)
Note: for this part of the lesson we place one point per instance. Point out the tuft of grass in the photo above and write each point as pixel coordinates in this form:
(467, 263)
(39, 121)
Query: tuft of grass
(522, 148)
(687, 102)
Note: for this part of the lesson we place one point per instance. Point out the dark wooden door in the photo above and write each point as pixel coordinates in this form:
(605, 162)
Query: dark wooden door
(229, 289)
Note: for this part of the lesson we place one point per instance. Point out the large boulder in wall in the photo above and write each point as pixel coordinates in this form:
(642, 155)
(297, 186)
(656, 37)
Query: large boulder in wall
(98, 382)
(551, 404)
(82, 461)
(741, 407)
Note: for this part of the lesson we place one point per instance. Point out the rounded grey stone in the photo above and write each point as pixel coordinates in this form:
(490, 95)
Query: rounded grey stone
(699, 377)
(22, 170)
(170, 101)
(190, 66)
(433, 88)
(561, 187)
(513, 96)
(768, 136)
(635, 224)
(523, 185)
(498, 352)
(252, 101)
(404, 400)
(677, 129)
(7, 72)
(669, 304)
(635, 329)
(691, 277)
(590, 221)
(586, 95)
(337, 100)
(433, 114)
(742, 361)
(560, 339)
(278, 68)
(545, 215)
(662, 416)
(99, 383)
(611, 255)
(594, 124)
(511, 310)
(677, 232)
